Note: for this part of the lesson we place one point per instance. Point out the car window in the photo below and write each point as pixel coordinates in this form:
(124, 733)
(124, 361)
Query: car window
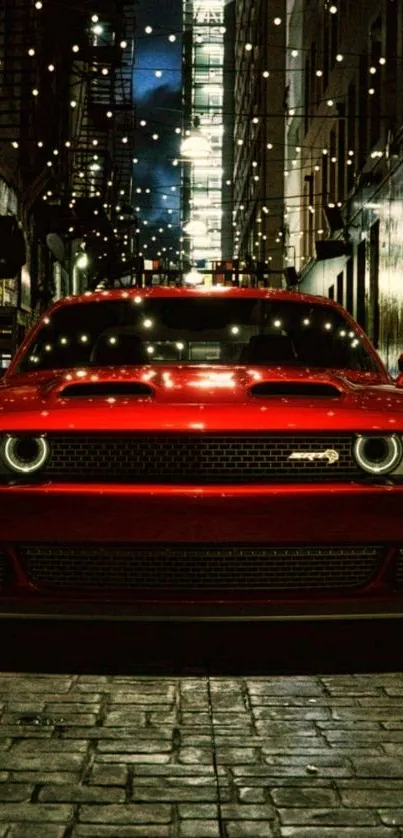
(197, 331)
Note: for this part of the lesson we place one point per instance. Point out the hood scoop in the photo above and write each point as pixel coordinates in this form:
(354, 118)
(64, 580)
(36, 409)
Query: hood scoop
(295, 388)
(88, 389)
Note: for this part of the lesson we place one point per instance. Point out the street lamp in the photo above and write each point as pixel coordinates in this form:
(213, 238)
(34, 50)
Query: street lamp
(195, 146)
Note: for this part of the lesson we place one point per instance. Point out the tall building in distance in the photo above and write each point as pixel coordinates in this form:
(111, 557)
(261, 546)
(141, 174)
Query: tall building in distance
(204, 33)
(260, 96)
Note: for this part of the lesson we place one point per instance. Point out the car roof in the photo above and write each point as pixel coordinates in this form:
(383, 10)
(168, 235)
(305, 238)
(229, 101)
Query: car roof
(215, 291)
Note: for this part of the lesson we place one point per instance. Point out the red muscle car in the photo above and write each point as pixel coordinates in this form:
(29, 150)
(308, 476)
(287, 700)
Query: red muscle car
(216, 453)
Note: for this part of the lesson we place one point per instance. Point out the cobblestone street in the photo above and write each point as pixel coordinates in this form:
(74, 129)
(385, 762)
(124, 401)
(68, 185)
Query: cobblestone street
(120, 756)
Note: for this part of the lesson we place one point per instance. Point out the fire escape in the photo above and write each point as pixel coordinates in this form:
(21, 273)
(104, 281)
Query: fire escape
(103, 123)
(67, 130)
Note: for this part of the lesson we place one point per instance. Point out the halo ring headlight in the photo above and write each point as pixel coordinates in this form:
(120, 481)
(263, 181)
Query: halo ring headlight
(25, 455)
(378, 454)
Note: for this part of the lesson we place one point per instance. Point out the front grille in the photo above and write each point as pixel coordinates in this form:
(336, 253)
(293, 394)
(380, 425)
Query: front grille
(180, 566)
(210, 458)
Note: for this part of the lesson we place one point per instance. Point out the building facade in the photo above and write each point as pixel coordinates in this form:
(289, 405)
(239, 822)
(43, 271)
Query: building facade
(344, 159)
(204, 33)
(258, 214)
(66, 145)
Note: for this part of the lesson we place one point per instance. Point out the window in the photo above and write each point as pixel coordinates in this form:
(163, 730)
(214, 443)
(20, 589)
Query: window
(340, 288)
(375, 83)
(332, 164)
(351, 133)
(341, 160)
(196, 331)
(361, 263)
(350, 286)
(363, 110)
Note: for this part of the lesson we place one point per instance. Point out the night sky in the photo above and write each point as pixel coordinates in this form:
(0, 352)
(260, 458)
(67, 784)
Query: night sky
(158, 102)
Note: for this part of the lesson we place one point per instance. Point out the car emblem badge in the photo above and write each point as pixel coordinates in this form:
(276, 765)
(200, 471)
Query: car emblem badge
(330, 455)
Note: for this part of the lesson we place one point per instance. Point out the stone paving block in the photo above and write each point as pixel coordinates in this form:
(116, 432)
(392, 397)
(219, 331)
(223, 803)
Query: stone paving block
(63, 707)
(17, 730)
(248, 829)
(44, 762)
(205, 811)
(340, 817)
(391, 817)
(16, 792)
(196, 717)
(130, 697)
(108, 775)
(237, 755)
(36, 777)
(162, 782)
(34, 706)
(45, 830)
(128, 831)
(125, 718)
(197, 756)
(307, 797)
(336, 832)
(57, 717)
(275, 728)
(120, 732)
(135, 745)
(175, 794)
(133, 758)
(248, 812)
(130, 813)
(72, 696)
(252, 795)
(301, 714)
(81, 794)
(32, 684)
(5, 744)
(372, 798)
(393, 748)
(378, 767)
(199, 829)
(285, 687)
(173, 771)
(35, 812)
(198, 739)
(51, 746)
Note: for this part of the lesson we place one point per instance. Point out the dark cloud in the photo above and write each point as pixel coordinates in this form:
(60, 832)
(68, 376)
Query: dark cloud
(158, 101)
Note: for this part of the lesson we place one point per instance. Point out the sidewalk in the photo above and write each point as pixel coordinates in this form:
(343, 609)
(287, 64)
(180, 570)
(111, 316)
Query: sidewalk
(278, 757)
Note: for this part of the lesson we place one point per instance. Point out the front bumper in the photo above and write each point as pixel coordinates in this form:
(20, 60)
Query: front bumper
(276, 515)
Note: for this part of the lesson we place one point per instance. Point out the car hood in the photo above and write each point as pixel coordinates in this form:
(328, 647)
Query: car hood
(175, 398)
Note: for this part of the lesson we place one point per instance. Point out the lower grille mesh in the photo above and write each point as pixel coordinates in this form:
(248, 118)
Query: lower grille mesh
(203, 566)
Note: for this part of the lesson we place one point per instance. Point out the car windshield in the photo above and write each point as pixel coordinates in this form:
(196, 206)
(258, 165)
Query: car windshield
(205, 330)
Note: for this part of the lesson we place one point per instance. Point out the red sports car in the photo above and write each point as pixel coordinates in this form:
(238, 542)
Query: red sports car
(213, 453)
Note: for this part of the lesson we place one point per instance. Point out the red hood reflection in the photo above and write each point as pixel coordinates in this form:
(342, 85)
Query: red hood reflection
(209, 398)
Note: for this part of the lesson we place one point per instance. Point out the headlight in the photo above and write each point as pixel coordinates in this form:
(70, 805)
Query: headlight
(378, 454)
(25, 454)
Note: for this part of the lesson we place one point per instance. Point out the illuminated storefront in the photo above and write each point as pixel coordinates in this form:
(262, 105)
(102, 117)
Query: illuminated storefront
(204, 95)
